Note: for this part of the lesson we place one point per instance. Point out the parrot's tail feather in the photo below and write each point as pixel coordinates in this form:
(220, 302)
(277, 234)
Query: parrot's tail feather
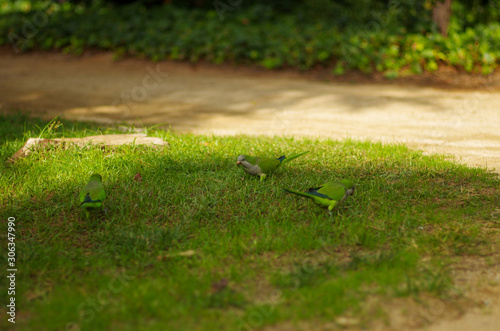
(93, 204)
(89, 202)
(290, 158)
(298, 193)
(88, 199)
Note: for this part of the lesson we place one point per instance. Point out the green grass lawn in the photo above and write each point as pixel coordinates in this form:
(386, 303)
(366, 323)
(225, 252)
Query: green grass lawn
(201, 245)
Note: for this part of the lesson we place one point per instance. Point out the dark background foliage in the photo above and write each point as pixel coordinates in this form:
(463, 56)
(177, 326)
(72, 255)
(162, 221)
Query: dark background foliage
(390, 36)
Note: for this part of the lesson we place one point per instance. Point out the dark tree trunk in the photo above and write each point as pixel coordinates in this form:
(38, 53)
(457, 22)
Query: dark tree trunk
(441, 16)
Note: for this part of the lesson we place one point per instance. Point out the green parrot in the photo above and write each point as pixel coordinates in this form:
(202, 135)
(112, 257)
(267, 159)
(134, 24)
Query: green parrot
(262, 166)
(330, 194)
(92, 195)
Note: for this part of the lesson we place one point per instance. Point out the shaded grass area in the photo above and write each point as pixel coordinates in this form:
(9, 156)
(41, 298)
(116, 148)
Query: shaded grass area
(200, 245)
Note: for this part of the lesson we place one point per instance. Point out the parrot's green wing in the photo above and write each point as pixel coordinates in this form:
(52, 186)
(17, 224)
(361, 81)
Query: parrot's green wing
(333, 190)
(262, 166)
(251, 159)
(267, 164)
(319, 199)
(328, 195)
(93, 194)
(257, 166)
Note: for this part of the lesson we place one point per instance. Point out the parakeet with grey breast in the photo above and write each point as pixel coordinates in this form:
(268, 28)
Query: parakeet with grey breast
(262, 166)
(329, 195)
(93, 194)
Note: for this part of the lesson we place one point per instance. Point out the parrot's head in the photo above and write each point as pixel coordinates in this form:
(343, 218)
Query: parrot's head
(349, 185)
(241, 158)
(350, 191)
(96, 177)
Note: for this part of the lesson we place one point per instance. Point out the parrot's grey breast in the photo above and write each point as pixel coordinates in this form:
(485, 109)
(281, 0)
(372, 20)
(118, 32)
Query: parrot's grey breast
(251, 169)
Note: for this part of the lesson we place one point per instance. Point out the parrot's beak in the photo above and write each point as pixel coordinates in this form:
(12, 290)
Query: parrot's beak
(238, 163)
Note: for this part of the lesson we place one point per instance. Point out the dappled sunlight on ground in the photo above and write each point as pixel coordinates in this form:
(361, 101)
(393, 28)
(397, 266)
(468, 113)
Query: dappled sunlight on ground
(203, 99)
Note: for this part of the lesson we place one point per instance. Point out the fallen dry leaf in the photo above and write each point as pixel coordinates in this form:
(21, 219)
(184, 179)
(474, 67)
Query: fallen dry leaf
(138, 178)
(219, 286)
(185, 253)
(346, 321)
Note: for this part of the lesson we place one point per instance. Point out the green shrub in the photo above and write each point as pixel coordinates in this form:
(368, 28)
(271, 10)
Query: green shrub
(255, 35)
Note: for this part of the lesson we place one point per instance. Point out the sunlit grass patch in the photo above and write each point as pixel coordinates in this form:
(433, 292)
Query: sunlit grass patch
(199, 244)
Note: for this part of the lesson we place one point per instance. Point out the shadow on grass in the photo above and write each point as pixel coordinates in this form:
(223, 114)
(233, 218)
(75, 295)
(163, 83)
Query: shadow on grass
(193, 197)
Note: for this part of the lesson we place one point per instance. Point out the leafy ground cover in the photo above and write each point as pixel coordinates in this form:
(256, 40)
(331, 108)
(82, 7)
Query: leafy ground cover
(198, 244)
(252, 36)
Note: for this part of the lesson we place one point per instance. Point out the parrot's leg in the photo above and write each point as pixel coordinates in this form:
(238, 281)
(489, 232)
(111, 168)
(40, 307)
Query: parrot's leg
(262, 177)
(332, 205)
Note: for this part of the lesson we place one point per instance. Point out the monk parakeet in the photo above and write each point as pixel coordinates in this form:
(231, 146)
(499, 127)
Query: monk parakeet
(93, 194)
(330, 194)
(262, 166)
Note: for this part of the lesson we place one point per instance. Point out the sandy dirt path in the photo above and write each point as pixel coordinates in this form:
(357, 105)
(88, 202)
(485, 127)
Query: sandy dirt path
(224, 100)
(208, 99)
